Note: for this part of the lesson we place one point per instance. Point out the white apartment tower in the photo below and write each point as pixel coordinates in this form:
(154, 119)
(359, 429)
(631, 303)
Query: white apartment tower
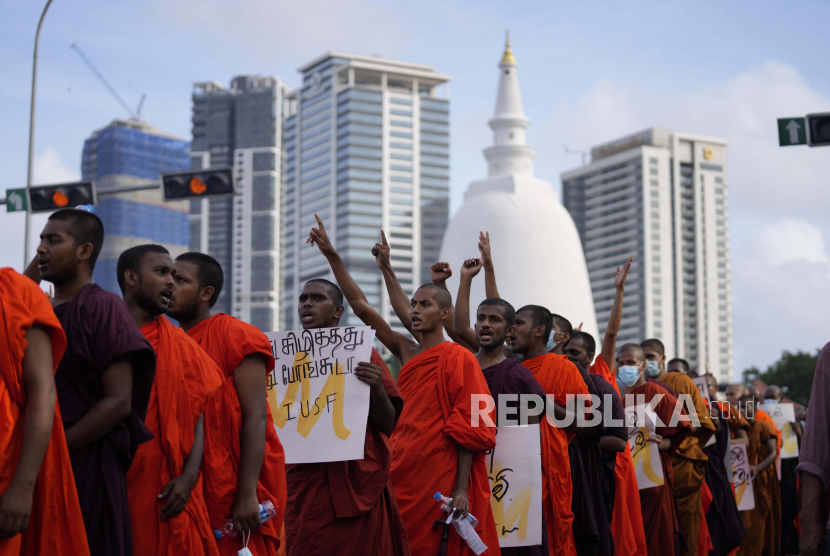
(366, 147)
(660, 196)
(240, 127)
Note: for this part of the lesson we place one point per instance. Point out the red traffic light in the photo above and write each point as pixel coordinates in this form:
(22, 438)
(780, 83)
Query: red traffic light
(59, 199)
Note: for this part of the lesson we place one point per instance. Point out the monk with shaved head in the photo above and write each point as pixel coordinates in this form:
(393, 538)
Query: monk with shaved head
(663, 532)
(435, 446)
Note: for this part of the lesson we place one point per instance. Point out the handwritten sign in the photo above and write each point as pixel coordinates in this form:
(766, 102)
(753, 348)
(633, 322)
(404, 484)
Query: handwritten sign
(319, 406)
(646, 455)
(783, 415)
(741, 478)
(700, 382)
(515, 470)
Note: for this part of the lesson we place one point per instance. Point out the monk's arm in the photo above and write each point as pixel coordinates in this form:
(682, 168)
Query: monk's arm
(32, 271)
(490, 288)
(461, 318)
(383, 412)
(611, 443)
(398, 298)
(114, 407)
(609, 342)
(740, 437)
(439, 278)
(39, 384)
(772, 452)
(177, 491)
(812, 524)
(249, 379)
(462, 479)
(394, 341)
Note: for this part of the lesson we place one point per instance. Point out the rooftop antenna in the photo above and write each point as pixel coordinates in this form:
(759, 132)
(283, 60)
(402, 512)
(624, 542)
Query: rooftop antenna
(573, 151)
(133, 115)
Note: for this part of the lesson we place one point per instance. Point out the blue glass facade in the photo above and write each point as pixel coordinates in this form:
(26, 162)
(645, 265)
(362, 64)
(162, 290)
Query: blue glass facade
(133, 150)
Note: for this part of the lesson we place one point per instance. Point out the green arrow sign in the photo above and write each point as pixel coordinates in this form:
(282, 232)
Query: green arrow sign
(791, 131)
(16, 200)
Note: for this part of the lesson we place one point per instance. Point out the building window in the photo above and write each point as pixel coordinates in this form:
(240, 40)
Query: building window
(653, 171)
(652, 160)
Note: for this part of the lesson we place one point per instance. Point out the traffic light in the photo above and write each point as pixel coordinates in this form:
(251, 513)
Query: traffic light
(47, 198)
(194, 184)
(818, 129)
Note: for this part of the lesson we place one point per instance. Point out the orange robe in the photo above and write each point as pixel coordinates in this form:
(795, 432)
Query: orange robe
(760, 540)
(772, 528)
(56, 526)
(689, 463)
(437, 387)
(185, 377)
(228, 341)
(558, 377)
(627, 520)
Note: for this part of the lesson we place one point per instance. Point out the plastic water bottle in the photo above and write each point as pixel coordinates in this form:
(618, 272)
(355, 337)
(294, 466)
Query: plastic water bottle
(445, 502)
(266, 512)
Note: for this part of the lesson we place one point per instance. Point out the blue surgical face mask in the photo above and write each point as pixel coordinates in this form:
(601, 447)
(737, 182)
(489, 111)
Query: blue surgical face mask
(628, 375)
(551, 342)
(652, 369)
(769, 402)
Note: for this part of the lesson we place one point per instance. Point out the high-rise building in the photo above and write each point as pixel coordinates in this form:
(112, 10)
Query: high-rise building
(239, 127)
(660, 196)
(132, 152)
(366, 147)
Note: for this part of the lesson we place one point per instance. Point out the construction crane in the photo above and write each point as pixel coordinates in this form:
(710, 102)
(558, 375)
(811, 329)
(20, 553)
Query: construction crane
(135, 115)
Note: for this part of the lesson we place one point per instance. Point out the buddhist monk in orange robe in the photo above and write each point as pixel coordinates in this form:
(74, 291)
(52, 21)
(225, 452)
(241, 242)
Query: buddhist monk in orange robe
(244, 463)
(363, 517)
(39, 509)
(662, 528)
(164, 485)
(689, 461)
(761, 450)
(627, 522)
(559, 378)
(435, 446)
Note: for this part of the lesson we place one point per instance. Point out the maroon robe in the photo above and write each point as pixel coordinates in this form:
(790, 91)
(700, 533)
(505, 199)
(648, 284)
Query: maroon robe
(100, 330)
(348, 507)
(511, 377)
(660, 517)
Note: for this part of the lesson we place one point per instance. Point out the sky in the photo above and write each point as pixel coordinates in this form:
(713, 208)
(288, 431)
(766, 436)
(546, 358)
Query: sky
(589, 72)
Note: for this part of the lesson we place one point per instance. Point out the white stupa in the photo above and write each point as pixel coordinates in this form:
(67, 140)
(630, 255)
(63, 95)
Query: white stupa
(535, 245)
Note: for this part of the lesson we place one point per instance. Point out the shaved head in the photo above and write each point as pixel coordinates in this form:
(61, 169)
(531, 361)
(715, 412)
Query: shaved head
(439, 294)
(637, 350)
(654, 344)
(334, 290)
(84, 227)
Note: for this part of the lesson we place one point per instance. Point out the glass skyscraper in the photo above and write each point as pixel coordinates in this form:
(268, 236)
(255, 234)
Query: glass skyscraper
(366, 146)
(239, 127)
(131, 152)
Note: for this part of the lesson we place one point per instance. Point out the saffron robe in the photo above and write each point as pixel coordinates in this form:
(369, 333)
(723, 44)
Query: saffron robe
(765, 487)
(99, 330)
(228, 341)
(185, 378)
(723, 519)
(56, 526)
(772, 529)
(627, 520)
(511, 377)
(438, 386)
(660, 518)
(558, 377)
(689, 462)
(348, 507)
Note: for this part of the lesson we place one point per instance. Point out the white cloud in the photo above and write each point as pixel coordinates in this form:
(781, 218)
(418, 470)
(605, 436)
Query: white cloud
(49, 168)
(270, 31)
(790, 240)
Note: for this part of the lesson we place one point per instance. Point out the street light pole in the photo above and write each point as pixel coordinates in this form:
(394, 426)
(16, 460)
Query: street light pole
(32, 137)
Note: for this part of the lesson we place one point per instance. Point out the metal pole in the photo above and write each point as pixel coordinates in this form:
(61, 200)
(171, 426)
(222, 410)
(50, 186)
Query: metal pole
(32, 138)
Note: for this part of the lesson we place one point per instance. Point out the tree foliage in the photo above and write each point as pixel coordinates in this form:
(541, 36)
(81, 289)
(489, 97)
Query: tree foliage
(793, 372)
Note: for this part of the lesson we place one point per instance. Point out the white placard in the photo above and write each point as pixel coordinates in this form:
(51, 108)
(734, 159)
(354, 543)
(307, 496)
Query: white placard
(319, 407)
(783, 415)
(646, 455)
(741, 478)
(515, 470)
(700, 382)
